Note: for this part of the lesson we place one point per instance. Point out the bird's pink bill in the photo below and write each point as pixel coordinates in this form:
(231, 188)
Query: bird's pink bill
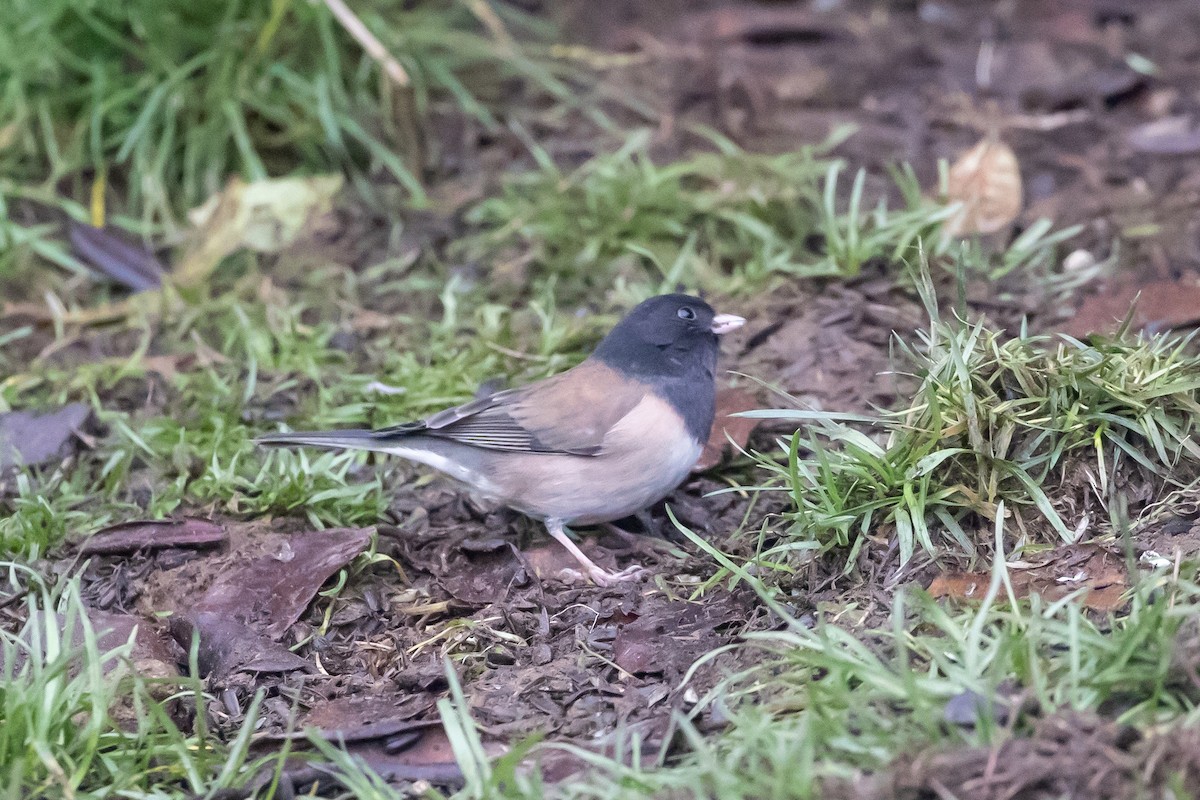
(724, 323)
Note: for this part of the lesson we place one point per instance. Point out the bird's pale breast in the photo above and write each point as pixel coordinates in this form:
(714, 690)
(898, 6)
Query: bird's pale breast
(645, 455)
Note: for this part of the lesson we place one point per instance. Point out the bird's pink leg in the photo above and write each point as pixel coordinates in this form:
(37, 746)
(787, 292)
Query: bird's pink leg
(598, 575)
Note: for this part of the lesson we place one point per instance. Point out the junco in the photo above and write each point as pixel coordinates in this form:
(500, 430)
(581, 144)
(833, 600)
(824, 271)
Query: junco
(596, 443)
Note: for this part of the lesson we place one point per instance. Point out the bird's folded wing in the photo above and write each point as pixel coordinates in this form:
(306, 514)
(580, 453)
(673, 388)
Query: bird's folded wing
(568, 413)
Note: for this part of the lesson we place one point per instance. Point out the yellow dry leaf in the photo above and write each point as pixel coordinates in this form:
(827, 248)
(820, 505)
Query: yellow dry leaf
(986, 180)
(265, 216)
(8, 135)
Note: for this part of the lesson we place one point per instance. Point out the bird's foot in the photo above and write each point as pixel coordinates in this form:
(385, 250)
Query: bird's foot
(602, 577)
(589, 569)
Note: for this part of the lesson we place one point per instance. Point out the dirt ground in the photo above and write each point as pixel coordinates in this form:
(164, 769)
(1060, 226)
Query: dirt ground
(1068, 85)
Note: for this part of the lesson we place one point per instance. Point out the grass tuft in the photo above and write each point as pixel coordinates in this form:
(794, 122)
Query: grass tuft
(1054, 427)
(158, 105)
(76, 720)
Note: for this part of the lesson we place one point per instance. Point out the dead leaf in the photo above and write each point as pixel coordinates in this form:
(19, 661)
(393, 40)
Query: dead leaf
(759, 26)
(638, 645)
(256, 598)
(385, 712)
(106, 250)
(149, 303)
(169, 365)
(28, 439)
(668, 644)
(1052, 576)
(367, 321)
(264, 216)
(1157, 306)
(986, 180)
(379, 728)
(270, 592)
(1170, 136)
(969, 708)
(730, 400)
(407, 751)
(549, 559)
(152, 655)
(8, 135)
(960, 585)
(130, 537)
(226, 645)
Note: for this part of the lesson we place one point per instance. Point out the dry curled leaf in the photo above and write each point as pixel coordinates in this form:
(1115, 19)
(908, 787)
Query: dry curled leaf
(265, 216)
(106, 250)
(28, 438)
(143, 535)
(986, 180)
(1170, 136)
(727, 428)
(1057, 573)
(1153, 307)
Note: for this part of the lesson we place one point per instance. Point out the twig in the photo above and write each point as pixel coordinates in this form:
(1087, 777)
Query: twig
(375, 49)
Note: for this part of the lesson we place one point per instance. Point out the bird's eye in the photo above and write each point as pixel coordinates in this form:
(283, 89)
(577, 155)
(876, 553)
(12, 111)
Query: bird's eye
(686, 313)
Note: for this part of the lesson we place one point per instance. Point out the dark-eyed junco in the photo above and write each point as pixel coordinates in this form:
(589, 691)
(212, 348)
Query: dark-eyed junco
(596, 443)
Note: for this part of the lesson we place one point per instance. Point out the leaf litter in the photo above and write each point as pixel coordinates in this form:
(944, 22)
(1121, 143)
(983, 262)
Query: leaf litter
(365, 665)
(1096, 572)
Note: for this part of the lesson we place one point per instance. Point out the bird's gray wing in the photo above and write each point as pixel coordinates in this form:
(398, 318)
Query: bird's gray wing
(567, 413)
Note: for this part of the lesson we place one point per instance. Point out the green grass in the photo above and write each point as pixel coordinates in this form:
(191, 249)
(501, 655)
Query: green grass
(996, 416)
(165, 102)
(727, 221)
(824, 702)
(272, 359)
(77, 721)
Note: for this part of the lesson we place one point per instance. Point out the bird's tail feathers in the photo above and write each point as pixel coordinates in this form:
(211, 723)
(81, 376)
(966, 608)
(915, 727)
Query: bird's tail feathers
(397, 441)
(351, 439)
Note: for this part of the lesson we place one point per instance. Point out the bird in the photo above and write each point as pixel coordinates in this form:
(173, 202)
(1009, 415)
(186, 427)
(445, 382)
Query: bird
(598, 442)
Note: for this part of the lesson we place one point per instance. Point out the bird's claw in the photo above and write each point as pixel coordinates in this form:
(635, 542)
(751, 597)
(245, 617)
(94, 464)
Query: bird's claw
(602, 577)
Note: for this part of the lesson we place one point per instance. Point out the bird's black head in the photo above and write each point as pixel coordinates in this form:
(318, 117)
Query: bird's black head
(668, 334)
(670, 341)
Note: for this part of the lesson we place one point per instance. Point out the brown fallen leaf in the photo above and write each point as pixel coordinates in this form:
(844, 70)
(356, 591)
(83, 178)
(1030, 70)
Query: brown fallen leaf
(151, 303)
(1169, 136)
(986, 180)
(270, 592)
(152, 654)
(1157, 306)
(168, 365)
(1056, 574)
(549, 560)
(367, 321)
(130, 537)
(28, 439)
(264, 216)
(730, 400)
(960, 585)
(226, 645)
(667, 644)
(106, 250)
(396, 750)
(758, 26)
(383, 712)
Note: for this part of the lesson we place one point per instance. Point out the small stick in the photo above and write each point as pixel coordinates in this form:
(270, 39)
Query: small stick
(375, 49)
